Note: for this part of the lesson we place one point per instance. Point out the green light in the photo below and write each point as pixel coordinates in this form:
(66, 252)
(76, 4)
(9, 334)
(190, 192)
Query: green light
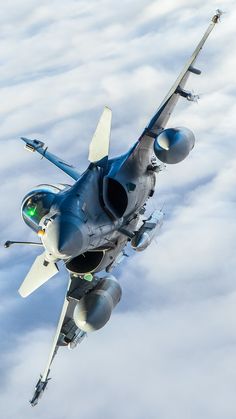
(88, 277)
(31, 211)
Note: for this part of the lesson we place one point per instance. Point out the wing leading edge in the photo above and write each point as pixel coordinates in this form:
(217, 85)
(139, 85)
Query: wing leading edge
(67, 333)
(36, 145)
(44, 378)
(160, 119)
(98, 149)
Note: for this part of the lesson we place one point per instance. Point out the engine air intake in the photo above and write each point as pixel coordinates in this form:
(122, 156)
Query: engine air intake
(87, 262)
(115, 197)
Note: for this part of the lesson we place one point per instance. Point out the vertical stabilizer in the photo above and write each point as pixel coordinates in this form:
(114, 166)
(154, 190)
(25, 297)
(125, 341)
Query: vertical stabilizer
(99, 146)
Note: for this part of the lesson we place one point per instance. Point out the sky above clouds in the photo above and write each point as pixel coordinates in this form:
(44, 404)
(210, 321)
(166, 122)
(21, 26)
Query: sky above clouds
(169, 351)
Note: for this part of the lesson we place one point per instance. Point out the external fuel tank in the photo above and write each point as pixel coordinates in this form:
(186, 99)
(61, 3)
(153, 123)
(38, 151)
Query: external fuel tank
(94, 310)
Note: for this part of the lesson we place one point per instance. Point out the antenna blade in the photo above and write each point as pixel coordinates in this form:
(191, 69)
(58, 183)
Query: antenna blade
(99, 146)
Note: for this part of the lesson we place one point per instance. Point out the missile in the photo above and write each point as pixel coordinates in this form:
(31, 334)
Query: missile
(147, 232)
(94, 310)
(77, 338)
(39, 389)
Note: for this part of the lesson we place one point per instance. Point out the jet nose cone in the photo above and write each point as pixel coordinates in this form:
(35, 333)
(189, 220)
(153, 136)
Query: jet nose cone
(64, 237)
(67, 232)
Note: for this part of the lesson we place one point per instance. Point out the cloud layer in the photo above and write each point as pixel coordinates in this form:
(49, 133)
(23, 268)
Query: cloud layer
(169, 350)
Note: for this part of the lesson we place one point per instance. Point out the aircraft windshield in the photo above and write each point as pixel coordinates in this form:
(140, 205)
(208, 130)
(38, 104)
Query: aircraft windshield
(38, 202)
(36, 206)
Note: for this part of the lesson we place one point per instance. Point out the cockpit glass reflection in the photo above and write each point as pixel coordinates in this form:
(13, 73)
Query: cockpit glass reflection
(37, 206)
(38, 203)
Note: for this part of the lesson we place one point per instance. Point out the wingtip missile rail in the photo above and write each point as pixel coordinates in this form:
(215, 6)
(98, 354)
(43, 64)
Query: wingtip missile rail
(39, 389)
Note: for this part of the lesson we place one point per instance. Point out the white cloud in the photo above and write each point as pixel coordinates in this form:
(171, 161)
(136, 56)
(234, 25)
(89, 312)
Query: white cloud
(137, 364)
(169, 350)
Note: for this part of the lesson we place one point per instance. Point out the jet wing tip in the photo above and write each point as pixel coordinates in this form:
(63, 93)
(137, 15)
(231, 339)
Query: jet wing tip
(217, 16)
(39, 389)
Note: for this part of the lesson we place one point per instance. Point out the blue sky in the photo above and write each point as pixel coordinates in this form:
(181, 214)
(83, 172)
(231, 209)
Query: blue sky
(169, 349)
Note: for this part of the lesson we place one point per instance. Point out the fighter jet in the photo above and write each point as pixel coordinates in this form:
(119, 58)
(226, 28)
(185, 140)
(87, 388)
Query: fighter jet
(87, 225)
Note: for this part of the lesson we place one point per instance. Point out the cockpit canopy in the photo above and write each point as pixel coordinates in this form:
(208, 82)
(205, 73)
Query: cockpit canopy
(37, 203)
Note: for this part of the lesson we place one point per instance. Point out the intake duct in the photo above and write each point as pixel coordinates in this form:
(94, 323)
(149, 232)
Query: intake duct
(87, 262)
(174, 144)
(115, 197)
